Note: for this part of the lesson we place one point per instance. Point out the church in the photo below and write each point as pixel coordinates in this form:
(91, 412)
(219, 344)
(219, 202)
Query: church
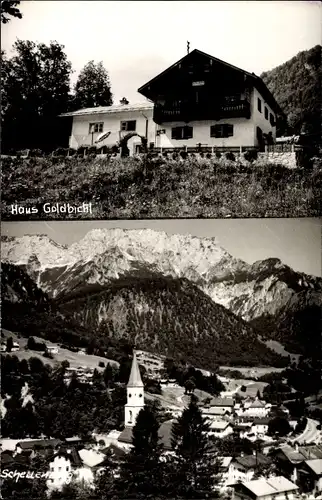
(133, 406)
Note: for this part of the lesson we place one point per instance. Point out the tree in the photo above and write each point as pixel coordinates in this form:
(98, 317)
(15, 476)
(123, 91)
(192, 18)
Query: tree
(9, 344)
(9, 8)
(190, 385)
(109, 375)
(141, 471)
(195, 465)
(35, 89)
(279, 426)
(24, 489)
(92, 87)
(31, 343)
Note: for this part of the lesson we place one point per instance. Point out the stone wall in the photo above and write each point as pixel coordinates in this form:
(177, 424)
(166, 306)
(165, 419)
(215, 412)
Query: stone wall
(287, 159)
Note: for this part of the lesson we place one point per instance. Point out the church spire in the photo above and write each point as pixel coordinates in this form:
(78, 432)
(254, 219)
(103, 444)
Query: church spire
(135, 376)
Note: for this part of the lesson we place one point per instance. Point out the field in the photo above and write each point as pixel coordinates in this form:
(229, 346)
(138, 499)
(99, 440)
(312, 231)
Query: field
(159, 187)
(75, 360)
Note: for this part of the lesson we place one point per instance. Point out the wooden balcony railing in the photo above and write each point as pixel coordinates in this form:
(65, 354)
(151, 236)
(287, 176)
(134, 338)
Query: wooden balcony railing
(191, 112)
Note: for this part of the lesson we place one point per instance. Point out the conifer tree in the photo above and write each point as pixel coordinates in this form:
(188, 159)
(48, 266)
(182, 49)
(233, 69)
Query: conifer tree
(195, 467)
(140, 473)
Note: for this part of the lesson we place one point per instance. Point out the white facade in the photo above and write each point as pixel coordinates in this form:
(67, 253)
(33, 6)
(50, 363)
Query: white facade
(220, 429)
(60, 472)
(112, 120)
(259, 429)
(90, 123)
(244, 130)
(258, 117)
(236, 474)
(256, 409)
(243, 134)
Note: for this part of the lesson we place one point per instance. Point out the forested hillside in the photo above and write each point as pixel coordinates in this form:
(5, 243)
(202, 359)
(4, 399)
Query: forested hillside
(164, 315)
(296, 86)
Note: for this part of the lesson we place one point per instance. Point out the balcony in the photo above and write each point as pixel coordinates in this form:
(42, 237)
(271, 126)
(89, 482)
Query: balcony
(191, 112)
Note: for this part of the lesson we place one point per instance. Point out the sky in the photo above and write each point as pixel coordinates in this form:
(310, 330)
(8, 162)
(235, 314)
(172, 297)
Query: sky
(136, 40)
(297, 242)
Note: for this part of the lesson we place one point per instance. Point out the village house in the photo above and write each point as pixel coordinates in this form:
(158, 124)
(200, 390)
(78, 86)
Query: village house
(274, 488)
(62, 467)
(310, 475)
(220, 428)
(37, 445)
(107, 125)
(51, 349)
(290, 459)
(199, 101)
(215, 412)
(242, 429)
(243, 467)
(260, 426)
(257, 408)
(203, 100)
(224, 405)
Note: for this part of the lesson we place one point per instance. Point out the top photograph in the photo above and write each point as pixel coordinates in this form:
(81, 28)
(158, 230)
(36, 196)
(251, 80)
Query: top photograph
(165, 109)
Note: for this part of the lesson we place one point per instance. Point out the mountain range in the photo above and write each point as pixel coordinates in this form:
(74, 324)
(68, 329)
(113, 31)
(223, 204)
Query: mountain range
(166, 291)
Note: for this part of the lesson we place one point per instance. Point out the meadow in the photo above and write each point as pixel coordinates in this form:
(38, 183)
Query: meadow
(137, 187)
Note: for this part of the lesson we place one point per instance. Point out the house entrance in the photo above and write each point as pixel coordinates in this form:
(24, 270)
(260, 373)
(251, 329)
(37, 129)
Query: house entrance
(132, 143)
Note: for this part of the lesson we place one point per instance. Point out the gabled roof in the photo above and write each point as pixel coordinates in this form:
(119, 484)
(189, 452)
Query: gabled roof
(39, 443)
(6, 458)
(115, 108)
(257, 81)
(135, 376)
(214, 410)
(257, 404)
(309, 452)
(315, 465)
(195, 51)
(69, 454)
(222, 402)
(219, 425)
(91, 458)
(251, 461)
(273, 485)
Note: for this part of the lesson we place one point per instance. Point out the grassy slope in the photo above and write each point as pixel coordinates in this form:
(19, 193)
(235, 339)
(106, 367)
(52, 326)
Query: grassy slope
(75, 360)
(164, 188)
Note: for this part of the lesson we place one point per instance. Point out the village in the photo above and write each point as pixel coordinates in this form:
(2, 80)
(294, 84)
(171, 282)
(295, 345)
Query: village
(288, 466)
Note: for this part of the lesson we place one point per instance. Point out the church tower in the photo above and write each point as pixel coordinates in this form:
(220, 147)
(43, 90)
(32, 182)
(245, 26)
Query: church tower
(135, 394)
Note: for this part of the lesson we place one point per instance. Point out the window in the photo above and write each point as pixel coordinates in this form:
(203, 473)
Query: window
(96, 127)
(59, 469)
(51, 469)
(259, 105)
(182, 133)
(272, 119)
(224, 130)
(266, 113)
(67, 468)
(129, 126)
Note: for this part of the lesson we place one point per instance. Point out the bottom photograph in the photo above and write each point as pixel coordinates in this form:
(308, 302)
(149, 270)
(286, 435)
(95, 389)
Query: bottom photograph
(161, 359)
